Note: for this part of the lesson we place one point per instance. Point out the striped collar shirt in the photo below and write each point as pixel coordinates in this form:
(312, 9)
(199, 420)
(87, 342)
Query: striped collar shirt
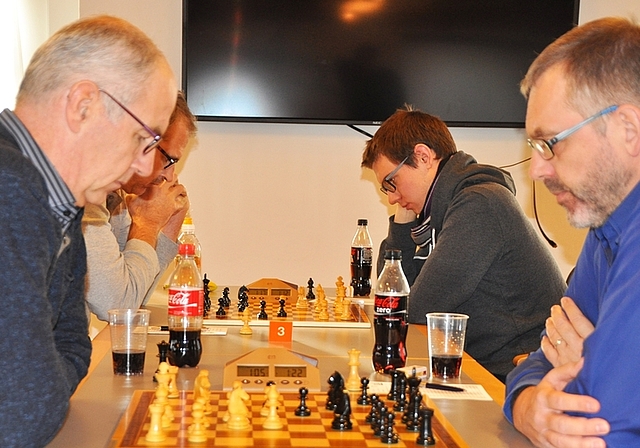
(61, 199)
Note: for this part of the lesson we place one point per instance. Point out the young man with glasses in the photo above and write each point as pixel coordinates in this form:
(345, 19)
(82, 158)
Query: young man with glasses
(467, 247)
(131, 239)
(65, 145)
(579, 388)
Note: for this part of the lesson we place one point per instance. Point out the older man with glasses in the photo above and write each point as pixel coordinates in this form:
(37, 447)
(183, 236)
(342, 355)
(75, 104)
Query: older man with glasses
(66, 144)
(131, 238)
(579, 388)
(467, 247)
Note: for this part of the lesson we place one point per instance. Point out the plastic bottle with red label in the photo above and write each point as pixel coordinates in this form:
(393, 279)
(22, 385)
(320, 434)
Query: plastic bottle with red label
(361, 260)
(390, 315)
(185, 310)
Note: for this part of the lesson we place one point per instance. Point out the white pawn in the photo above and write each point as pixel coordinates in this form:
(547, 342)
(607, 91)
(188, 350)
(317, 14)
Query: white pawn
(197, 430)
(156, 433)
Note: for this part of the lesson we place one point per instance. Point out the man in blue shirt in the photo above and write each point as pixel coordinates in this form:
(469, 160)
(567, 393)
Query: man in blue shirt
(583, 119)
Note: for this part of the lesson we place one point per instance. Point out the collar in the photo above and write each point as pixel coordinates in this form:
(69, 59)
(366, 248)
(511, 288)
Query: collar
(610, 232)
(60, 198)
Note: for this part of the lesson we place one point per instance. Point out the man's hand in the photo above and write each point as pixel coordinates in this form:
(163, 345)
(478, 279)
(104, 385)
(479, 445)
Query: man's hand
(567, 328)
(539, 412)
(152, 211)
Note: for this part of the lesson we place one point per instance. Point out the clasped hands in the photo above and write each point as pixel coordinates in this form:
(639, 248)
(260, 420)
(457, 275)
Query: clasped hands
(539, 412)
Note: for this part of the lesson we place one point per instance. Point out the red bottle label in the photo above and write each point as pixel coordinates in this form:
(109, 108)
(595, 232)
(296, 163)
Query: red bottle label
(390, 304)
(186, 302)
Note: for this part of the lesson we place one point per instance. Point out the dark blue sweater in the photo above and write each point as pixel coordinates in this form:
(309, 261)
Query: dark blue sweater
(44, 344)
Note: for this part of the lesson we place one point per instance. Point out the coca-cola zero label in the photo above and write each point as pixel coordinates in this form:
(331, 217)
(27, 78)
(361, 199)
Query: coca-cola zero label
(390, 304)
(186, 302)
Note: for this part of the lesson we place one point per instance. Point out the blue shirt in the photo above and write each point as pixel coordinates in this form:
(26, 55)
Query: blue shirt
(606, 288)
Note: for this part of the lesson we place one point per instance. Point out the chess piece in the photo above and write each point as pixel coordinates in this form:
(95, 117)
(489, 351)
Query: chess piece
(163, 350)
(173, 385)
(237, 416)
(265, 406)
(282, 312)
(401, 395)
(342, 413)
(221, 313)
(302, 410)
(273, 400)
(162, 376)
(262, 315)
(206, 299)
(310, 294)
(162, 400)
(336, 390)
(226, 301)
(395, 377)
(412, 419)
(364, 399)
(353, 380)
(202, 389)
(345, 314)
(246, 317)
(197, 430)
(156, 433)
(373, 401)
(388, 434)
(301, 303)
(425, 437)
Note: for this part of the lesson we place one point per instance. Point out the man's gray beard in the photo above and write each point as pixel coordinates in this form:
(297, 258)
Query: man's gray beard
(600, 197)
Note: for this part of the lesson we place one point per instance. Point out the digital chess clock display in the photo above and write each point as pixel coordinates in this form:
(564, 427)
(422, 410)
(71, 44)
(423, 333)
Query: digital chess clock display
(253, 371)
(280, 292)
(290, 371)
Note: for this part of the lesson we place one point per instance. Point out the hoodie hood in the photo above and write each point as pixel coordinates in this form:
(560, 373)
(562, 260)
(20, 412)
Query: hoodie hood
(462, 171)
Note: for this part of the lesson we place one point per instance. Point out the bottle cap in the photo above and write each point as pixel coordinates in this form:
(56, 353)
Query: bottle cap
(187, 249)
(393, 254)
(362, 222)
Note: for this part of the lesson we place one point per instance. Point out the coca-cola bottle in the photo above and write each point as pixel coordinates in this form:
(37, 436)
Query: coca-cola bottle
(186, 296)
(188, 236)
(361, 260)
(390, 315)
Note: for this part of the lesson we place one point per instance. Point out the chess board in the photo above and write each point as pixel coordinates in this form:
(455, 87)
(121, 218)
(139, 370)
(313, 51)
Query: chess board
(312, 431)
(306, 317)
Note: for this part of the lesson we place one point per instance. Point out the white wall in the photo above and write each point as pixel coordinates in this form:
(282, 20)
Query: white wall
(277, 200)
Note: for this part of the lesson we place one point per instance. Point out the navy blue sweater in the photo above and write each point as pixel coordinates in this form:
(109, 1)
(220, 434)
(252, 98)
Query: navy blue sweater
(44, 344)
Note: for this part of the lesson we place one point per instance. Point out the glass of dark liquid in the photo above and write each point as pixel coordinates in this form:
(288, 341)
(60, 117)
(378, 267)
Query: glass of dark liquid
(129, 329)
(446, 333)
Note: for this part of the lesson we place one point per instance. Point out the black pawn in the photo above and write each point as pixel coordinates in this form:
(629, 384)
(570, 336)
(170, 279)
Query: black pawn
(310, 294)
(363, 399)
(426, 435)
(388, 435)
(380, 418)
(262, 315)
(372, 411)
(303, 410)
(281, 311)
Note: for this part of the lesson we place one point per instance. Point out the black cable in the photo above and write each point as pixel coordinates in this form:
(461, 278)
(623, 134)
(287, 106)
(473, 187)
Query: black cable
(362, 131)
(535, 213)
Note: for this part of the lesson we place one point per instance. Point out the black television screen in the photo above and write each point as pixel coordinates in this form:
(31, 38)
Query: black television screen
(357, 61)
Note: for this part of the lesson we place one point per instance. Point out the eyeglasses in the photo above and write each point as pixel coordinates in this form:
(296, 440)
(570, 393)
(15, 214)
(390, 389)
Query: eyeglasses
(387, 183)
(545, 147)
(170, 160)
(156, 137)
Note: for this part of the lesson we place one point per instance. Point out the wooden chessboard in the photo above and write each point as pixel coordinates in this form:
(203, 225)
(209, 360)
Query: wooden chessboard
(312, 431)
(307, 317)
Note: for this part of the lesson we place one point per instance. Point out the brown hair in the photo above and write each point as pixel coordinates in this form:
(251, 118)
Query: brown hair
(402, 131)
(182, 112)
(601, 61)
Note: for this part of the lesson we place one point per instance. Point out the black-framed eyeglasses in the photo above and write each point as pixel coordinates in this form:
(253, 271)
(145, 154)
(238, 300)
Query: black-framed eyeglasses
(156, 137)
(545, 147)
(387, 185)
(170, 160)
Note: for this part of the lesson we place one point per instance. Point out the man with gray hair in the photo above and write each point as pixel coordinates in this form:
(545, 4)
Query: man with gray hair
(583, 119)
(91, 109)
(132, 238)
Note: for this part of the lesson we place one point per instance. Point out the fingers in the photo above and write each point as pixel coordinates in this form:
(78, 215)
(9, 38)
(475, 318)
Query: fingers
(579, 321)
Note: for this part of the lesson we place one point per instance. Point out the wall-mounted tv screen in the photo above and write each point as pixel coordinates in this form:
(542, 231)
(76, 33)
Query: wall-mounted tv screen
(357, 61)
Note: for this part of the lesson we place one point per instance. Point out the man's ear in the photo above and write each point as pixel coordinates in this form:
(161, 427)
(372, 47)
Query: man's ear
(629, 116)
(82, 99)
(424, 154)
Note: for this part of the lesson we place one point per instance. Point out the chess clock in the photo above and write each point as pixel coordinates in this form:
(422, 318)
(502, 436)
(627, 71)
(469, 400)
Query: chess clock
(289, 370)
